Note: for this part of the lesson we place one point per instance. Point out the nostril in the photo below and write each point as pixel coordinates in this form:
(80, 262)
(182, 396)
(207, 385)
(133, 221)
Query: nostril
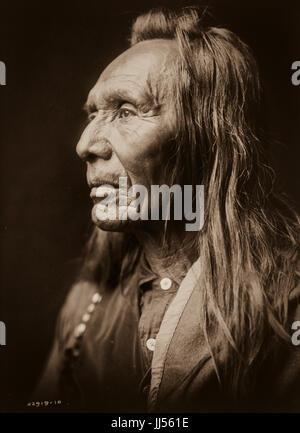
(106, 153)
(90, 158)
(89, 150)
(99, 148)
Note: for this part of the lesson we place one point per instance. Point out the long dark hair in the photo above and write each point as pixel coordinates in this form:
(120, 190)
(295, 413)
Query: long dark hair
(248, 246)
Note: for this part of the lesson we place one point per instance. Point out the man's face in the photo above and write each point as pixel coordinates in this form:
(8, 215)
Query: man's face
(131, 123)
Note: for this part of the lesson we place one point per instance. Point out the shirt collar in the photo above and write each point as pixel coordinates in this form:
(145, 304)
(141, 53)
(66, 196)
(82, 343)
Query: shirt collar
(146, 274)
(143, 274)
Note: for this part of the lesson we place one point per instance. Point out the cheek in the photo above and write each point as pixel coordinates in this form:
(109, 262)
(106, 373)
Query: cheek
(139, 144)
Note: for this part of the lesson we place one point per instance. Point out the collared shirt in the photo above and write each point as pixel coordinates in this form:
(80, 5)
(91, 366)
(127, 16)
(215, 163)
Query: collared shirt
(156, 294)
(97, 360)
(104, 343)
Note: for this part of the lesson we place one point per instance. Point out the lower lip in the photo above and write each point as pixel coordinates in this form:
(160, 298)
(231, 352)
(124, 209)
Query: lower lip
(95, 188)
(116, 198)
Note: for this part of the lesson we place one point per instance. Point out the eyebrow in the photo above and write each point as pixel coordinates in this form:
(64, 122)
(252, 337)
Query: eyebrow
(144, 101)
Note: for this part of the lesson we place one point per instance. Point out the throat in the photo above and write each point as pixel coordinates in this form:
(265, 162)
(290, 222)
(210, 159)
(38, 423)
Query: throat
(171, 260)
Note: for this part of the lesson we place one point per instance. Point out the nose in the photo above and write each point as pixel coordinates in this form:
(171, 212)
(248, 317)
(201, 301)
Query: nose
(91, 147)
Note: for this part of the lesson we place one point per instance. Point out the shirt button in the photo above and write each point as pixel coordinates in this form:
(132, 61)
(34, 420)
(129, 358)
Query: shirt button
(165, 283)
(150, 343)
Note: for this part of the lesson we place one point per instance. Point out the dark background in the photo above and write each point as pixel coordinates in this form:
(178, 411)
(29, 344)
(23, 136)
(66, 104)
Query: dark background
(54, 52)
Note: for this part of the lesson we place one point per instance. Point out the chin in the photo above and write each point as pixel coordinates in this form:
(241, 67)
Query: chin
(113, 225)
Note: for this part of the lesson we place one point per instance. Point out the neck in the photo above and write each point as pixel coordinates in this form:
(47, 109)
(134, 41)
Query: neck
(172, 257)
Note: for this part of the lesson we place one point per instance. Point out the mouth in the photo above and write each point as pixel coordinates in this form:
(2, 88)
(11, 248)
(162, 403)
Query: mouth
(95, 185)
(100, 192)
(113, 193)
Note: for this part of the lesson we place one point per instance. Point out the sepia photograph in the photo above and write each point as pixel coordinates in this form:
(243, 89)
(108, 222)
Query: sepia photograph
(150, 209)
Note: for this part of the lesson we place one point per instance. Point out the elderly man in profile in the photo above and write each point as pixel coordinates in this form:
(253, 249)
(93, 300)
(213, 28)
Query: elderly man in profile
(162, 318)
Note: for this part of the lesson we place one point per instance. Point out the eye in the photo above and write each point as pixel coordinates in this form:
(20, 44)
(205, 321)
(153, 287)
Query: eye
(126, 111)
(92, 116)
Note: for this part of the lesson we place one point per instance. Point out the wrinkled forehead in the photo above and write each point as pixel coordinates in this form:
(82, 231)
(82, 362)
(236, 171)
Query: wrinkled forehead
(145, 64)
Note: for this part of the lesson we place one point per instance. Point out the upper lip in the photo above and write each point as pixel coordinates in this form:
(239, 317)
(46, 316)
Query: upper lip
(97, 183)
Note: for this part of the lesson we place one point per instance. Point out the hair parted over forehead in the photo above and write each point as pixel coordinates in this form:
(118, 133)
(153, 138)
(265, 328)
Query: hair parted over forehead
(249, 245)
